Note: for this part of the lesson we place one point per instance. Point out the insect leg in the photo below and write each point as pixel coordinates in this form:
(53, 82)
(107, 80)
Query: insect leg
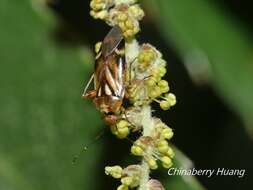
(87, 85)
(90, 94)
(130, 69)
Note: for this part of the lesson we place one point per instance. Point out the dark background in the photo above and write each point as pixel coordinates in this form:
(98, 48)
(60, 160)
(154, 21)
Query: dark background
(207, 129)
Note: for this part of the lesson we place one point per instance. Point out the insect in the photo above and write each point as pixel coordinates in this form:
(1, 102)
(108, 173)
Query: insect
(109, 76)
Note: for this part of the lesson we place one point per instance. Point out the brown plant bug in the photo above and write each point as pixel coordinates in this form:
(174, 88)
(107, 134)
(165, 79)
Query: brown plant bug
(109, 77)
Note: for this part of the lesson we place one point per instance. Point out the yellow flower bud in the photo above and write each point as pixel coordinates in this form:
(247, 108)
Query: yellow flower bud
(154, 92)
(163, 83)
(127, 180)
(123, 187)
(147, 57)
(134, 99)
(122, 124)
(151, 93)
(166, 161)
(150, 82)
(151, 55)
(128, 33)
(165, 105)
(163, 146)
(162, 143)
(103, 14)
(161, 125)
(163, 149)
(164, 86)
(163, 63)
(121, 25)
(170, 153)
(136, 30)
(121, 129)
(136, 150)
(129, 24)
(98, 46)
(122, 17)
(152, 163)
(96, 5)
(165, 89)
(114, 129)
(162, 71)
(137, 12)
(114, 171)
(171, 99)
(167, 133)
(141, 57)
(156, 74)
(123, 132)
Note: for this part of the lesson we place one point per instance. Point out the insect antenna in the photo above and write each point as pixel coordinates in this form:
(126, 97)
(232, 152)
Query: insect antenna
(86, 147)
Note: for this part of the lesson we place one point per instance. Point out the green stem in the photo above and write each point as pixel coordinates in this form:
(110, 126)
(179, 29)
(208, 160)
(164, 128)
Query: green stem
(148, 126)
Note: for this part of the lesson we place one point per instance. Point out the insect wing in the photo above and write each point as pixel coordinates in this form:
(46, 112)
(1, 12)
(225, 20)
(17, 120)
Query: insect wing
(99, 76)
(109, 76)
(111, 41)
(116, 75)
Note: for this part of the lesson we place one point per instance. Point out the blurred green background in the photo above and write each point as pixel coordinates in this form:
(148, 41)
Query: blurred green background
(46, 56)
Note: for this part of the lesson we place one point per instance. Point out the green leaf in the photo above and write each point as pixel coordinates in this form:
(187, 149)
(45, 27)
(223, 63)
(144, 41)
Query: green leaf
(44, 121)
(199, 26)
